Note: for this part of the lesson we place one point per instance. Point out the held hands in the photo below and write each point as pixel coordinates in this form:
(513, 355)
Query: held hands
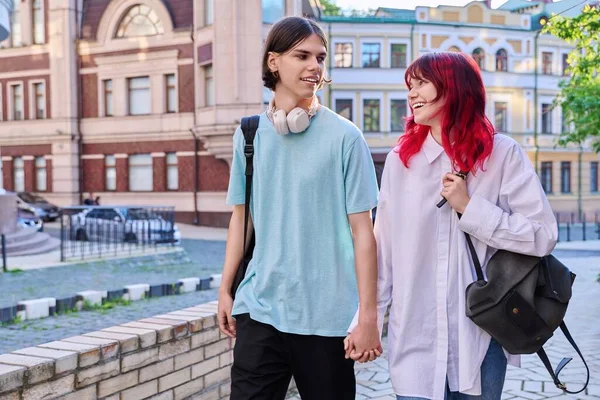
(455, 191)
(363, 343)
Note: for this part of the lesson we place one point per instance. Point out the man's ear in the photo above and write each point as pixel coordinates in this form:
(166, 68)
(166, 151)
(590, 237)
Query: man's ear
(272, 61)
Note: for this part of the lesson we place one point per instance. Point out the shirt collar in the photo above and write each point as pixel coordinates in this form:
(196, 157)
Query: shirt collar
(432, 148)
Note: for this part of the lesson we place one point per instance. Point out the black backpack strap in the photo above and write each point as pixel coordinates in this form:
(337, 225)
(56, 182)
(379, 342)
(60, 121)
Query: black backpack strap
(554, 374)
(249, 127)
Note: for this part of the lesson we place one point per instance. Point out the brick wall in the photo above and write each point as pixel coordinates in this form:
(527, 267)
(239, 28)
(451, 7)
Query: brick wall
(175, 356)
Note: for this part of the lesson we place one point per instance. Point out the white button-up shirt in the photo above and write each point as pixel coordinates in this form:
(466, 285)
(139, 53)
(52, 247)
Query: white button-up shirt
(425, 265)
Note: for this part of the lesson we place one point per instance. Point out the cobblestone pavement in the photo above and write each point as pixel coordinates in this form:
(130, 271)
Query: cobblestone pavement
(532, 381)
(34, 332)
(206, 259)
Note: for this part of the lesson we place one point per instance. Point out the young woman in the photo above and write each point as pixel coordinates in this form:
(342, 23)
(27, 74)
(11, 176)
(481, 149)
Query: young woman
(315, 255)
(435, 351)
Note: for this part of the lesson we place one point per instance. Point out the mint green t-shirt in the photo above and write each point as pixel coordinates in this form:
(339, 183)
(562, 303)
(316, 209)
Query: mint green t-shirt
(302, 276)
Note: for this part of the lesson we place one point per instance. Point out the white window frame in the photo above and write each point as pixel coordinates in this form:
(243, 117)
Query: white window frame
(106, 168)
(501, 98)
(382, 123)
(166, 93)
(32, 100)
(208, 12)
(42, 2)
(10, 105)
(36, 169)
(129, 165)
(556, 118)
(395, 96)
(341, 40)
(168, 167)
(555, 61)
(128, 94)
(14, 174)
(205, 85)
(382, 51)
(345, 96)
(406, 42)
(102, 99)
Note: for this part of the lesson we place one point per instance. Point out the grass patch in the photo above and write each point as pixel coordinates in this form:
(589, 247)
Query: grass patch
(15, 271)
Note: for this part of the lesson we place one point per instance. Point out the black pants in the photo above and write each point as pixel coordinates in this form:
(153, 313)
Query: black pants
(265, 361)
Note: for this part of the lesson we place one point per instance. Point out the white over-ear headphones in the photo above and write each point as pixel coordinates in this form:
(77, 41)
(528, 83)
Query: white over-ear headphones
(297, 120)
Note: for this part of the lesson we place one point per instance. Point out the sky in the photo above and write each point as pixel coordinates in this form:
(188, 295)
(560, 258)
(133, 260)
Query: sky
(405, 4)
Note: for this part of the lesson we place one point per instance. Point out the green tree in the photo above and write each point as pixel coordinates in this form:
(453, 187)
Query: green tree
(580, 94)
(330, 8)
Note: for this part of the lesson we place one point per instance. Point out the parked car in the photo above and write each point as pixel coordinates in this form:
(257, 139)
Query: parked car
(123, 224)
(37, 205)
(27, 219)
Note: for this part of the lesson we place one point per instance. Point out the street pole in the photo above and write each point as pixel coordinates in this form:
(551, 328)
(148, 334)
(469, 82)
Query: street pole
(4, 266)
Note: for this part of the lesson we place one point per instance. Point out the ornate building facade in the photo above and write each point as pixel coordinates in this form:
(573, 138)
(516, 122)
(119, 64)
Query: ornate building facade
(134, 101)
(521, 70)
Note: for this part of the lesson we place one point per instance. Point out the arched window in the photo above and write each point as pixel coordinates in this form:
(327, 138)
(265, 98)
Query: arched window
(454, 49)
(140, 20)
(479, 57)
(501, 60)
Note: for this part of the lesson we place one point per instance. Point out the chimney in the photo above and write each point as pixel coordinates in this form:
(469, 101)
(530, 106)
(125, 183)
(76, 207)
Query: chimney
(488, 3)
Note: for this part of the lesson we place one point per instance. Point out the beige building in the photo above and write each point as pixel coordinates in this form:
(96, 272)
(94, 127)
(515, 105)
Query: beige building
(521, 70)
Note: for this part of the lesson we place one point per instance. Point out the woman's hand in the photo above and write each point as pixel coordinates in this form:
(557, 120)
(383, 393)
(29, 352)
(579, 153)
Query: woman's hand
(455, 191)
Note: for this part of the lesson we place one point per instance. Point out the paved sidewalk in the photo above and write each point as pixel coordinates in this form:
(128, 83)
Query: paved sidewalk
(532, 381)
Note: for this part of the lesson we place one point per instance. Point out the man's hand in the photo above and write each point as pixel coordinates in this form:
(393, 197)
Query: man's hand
(363, 343)
(226, 321)
(455, 191)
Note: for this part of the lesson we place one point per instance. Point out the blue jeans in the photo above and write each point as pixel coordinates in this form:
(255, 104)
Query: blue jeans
(493, 372)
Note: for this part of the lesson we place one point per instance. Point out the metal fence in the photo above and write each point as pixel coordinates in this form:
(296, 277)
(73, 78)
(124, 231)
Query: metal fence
(573, 226)
(110, 231)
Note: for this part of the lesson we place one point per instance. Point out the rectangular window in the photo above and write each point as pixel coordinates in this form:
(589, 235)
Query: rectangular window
(565, 64)
(172, 172)
(546, 118)
(40, 100)
(17, 102)
(19, 174)
(209, 12)
(272, 10)
(16, 38)
(40, 174)
(546, 176)
(344, 108)
(565, 177)
(371, 115)
(343, 55)
(110, 173)
(139, 95)
(398, 52)
(209, 86)
(594, 177)
(37, 19)
(398, 113)
(141, 175)
(171, 97)
(108, 97)
(500, 113)
(547, 63)
(371, 55)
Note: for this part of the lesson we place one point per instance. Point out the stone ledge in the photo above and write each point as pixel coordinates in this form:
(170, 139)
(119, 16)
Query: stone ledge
(180, 353)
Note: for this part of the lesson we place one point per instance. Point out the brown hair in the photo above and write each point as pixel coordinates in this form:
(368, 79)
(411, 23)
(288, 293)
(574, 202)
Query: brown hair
(286, 34)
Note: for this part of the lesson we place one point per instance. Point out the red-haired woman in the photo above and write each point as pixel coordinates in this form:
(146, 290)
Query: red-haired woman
(434, 350)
